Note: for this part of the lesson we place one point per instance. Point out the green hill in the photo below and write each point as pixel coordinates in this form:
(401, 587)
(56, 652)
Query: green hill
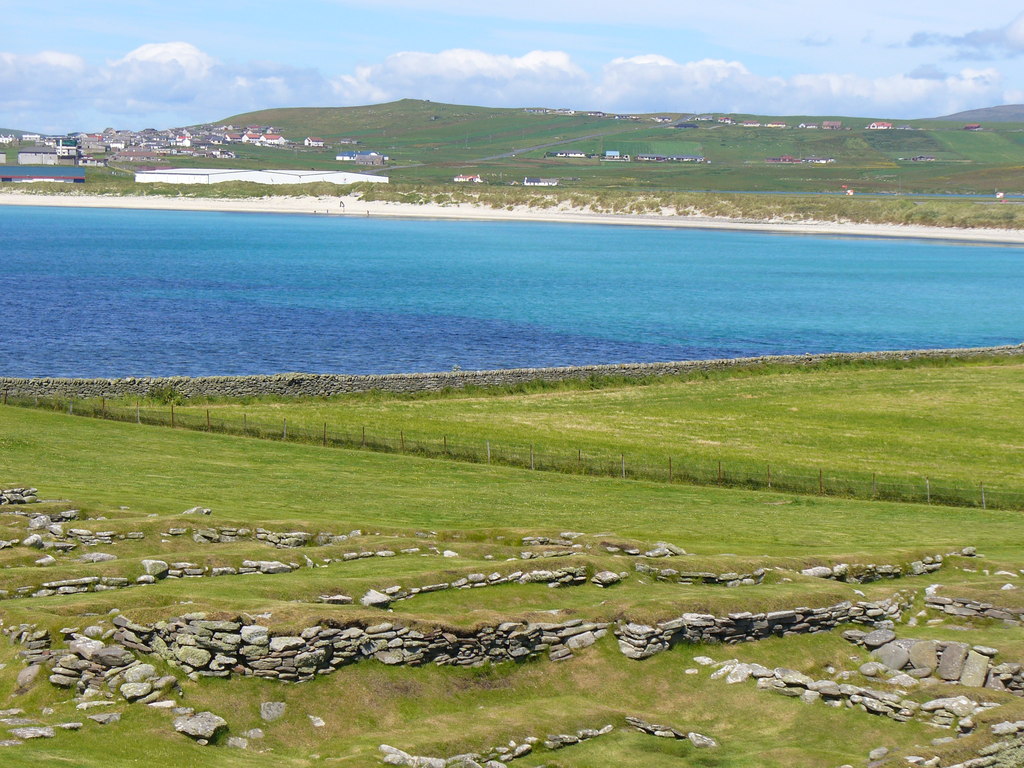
(1006, 113)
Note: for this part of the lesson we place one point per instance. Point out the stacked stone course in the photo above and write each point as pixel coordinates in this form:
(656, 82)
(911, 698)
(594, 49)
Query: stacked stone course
(320, 385)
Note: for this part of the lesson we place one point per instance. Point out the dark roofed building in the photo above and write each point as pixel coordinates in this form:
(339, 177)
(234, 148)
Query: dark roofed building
(33, 173)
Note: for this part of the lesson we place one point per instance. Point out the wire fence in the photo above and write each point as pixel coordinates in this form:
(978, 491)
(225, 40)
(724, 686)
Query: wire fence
(732, 473)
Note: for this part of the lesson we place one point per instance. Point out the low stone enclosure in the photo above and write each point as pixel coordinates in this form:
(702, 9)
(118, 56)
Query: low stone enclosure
(961, 606)
(18, 496)
(202, 646)
(970, 666)
(318, 385)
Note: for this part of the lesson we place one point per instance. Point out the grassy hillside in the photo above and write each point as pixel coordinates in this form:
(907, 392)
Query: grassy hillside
(125, 477)
(438, 140)
(1012, 113)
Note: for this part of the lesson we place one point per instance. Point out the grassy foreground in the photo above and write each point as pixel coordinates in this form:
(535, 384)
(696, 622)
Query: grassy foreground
(128, 477)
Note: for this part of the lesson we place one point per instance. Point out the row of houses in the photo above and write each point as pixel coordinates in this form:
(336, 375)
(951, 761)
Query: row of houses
(813, 160)
(617, 156)
(365, 157)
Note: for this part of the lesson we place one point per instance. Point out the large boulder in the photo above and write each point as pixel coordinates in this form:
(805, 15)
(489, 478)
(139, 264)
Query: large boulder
(272, 710)
(975, 670)
(202, 726)
(893, 655)
(157, 568)
(951, 665)
(375, 599)
(701, 741)
(924, 654)
(197, 658)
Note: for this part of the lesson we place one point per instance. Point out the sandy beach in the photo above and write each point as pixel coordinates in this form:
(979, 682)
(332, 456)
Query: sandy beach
(353, 206)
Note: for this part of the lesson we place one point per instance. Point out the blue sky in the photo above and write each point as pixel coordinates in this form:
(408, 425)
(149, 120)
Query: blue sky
(75, 66)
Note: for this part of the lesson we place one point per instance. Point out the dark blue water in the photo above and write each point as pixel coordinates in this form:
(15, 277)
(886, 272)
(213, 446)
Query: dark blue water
(117, 293)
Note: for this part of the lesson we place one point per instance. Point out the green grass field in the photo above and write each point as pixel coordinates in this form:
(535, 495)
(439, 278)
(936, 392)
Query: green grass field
(957, 424)
(126, 477)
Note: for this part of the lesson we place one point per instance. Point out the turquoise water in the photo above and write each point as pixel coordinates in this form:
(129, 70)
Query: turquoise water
(114, 293)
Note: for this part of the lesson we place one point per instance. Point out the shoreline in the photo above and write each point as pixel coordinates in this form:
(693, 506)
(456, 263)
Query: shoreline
(327, 384)
(349, 206)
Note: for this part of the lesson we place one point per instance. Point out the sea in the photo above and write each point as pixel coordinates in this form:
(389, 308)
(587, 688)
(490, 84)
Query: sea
(112, 293)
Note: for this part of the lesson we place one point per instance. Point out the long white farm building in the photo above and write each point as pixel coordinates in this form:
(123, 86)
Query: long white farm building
(218, 175)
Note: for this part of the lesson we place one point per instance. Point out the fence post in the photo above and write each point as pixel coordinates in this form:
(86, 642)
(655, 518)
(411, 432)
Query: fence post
(207, 419)
(928, 490)
(821, 482)
(362, 440)
(71, 406)
(325, 434)
(5, 397)
(401, 434)
(445, 443)
(488, 451)
(983, 496)
(245, 425)
(622, 459)
(138, 414)
(670, 469)
(531, 457)
(719, 471)
(874, 484)
(284, 429)
(769, 466)
(103, 407)
(172, 415)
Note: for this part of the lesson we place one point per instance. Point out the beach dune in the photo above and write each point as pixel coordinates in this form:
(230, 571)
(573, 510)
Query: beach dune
(353, 206)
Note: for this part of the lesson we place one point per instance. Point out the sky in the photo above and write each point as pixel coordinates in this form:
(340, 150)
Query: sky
(68, 66)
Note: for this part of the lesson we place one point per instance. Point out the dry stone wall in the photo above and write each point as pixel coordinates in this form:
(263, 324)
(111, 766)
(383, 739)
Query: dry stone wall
(962, 606)
(305, 384)
(641, 641)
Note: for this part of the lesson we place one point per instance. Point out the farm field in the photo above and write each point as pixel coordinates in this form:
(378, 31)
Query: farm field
(293, 529)
(952, 422)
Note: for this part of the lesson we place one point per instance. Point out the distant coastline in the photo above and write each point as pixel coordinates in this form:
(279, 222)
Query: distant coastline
(353, 206)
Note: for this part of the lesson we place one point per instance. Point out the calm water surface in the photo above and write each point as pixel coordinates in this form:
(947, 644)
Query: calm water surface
(116, 293)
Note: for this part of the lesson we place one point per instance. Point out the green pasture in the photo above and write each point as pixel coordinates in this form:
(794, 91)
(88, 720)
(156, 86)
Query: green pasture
(958, 423)
(128, 477)
(164, 471)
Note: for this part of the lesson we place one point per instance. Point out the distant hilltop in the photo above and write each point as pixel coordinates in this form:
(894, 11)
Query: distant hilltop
(1007, 113)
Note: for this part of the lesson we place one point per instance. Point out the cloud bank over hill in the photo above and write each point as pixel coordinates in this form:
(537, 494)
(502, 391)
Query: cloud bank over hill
(176, 83)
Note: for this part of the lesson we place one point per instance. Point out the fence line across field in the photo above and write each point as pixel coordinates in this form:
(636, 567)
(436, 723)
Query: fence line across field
(737, 474)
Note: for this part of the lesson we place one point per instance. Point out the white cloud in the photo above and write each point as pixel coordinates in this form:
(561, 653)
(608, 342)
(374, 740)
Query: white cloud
(467, 77)
(155, 84)
(177, 83)
(985, 43)
(181, 58)
(657, 83)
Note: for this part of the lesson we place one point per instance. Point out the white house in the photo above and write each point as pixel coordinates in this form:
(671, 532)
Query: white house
(470, 178)
(313, 141)
(273, 139)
